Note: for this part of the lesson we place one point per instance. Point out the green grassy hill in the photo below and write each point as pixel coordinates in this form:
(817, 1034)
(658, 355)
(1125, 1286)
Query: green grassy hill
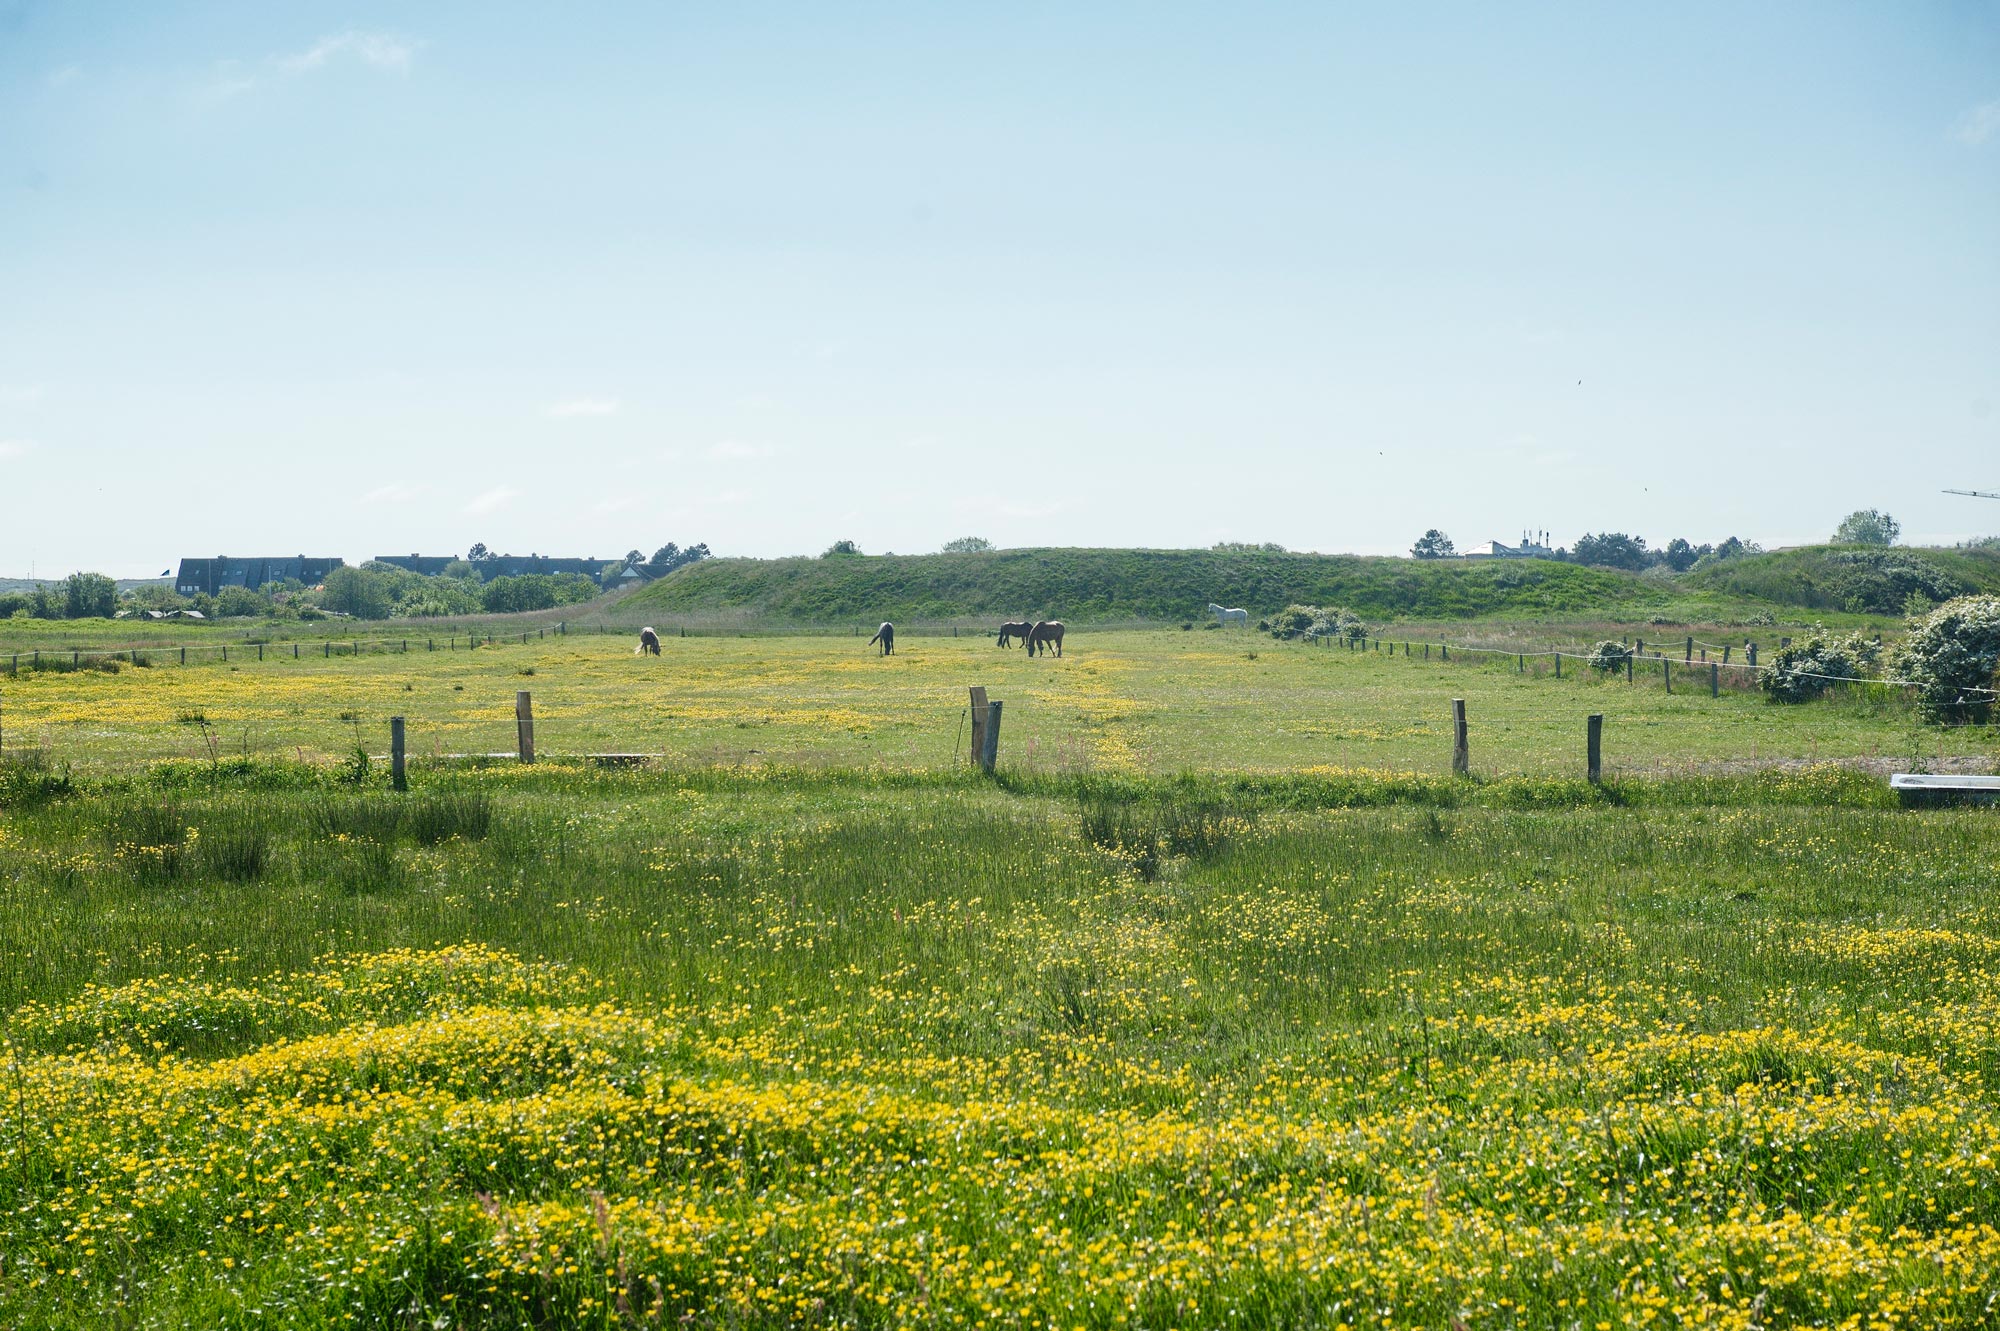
(1101, 585)
(1857, 579)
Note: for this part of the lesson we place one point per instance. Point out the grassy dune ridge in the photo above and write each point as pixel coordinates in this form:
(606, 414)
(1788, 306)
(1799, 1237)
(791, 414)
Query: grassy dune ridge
(1111, 584)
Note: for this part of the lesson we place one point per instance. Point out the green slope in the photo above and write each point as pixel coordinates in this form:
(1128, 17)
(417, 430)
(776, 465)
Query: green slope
(1087, 585)
(1859, 579)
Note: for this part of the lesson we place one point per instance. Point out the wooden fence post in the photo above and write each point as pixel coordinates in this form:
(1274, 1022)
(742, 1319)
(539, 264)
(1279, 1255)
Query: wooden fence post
(1753, 655)
(1667, 673)
(990, 754)
(184, 656)
(1521, 663)
(1690, 650)
(1593, 747)
(1628, 669)
(978, 714)
(524, 725)
(1461, 754)
(1714, 680)
(397, 780)
(1725, 653)
(1559, 663)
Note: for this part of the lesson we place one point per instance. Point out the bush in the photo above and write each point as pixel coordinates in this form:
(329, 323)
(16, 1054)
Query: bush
(1953, 655)
(1608, 656)
(1805, 670)
(1311, 621)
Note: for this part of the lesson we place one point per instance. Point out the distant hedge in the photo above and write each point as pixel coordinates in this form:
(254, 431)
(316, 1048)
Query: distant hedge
(1163, 585)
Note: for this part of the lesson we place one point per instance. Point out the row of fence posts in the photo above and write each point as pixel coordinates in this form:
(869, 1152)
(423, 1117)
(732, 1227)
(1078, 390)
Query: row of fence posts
(137, 655)
(1521, 659)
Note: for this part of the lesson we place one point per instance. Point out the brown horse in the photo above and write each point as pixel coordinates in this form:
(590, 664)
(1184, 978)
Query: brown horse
(1018, 629)
(1044, 635)
(649, 642)
(886, 635)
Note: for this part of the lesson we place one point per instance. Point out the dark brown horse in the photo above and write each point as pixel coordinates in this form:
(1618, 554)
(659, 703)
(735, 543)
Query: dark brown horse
(649, 642)
(1044, 635)
(886, 635)
(1018, 629)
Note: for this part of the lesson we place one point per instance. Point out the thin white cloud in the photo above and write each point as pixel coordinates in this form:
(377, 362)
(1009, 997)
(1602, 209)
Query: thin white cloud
(378, 50)
(729, 450)
(13, 448)
(384, 52)
(392, 493)
(1979, 124)
(585, 406)
(496, 498)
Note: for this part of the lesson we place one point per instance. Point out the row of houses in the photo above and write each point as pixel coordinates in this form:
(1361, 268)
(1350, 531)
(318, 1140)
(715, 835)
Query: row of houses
(212, 575)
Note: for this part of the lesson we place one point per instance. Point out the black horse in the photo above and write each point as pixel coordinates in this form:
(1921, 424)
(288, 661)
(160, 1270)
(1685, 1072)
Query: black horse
(886, 635)
(1016, 629)
(649, 642)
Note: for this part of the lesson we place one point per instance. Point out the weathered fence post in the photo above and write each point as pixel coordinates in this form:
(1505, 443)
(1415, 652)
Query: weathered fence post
(326, 649)
(1725, 653)
(260, 651)
(1714, 680)
(524, 725)
(1593, 747)
(1667, 673)
(396, 778)
(1690, 650)
(1461, 754)
(1628, 669)
(1427, 651)
(978, 714)
(1640, 650)
(184, 656)
(1521, 663)
(1752, 650)
(990, 754)
(1559, 663)
(1445, 648)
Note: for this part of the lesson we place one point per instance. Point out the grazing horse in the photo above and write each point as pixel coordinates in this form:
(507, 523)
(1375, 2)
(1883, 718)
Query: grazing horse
(886, 635)
(1224, 615)
(649, 642)
(1048, 633)
(1017, 629)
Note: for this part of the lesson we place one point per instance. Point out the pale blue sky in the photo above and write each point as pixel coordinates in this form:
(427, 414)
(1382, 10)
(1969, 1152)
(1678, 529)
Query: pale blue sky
(369, 278)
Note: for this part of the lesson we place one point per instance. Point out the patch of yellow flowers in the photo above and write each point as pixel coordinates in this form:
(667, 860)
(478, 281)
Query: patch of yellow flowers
(469, 1133)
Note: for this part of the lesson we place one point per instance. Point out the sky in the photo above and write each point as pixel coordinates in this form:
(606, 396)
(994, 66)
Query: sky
(357, 279)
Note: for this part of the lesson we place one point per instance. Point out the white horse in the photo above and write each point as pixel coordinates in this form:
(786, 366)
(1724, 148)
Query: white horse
(1225, 615)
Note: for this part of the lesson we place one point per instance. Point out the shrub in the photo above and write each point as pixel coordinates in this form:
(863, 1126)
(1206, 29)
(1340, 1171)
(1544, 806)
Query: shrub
(1953, 655)
(1807, 669)
(1608, 656)
(1311, 621)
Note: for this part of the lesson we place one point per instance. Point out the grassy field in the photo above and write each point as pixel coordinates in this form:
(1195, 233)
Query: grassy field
(1148, 702)
(556, 1048)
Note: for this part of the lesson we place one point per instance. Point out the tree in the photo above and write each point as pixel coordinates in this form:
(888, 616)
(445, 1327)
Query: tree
(1614, 549)
(670, 557)
(1434, 544)
(478, 554)
(634, 556)
(1679, 555)
(966, 545)
(1867, 526)
(89, 596)
(840, 548)
(360, 592)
